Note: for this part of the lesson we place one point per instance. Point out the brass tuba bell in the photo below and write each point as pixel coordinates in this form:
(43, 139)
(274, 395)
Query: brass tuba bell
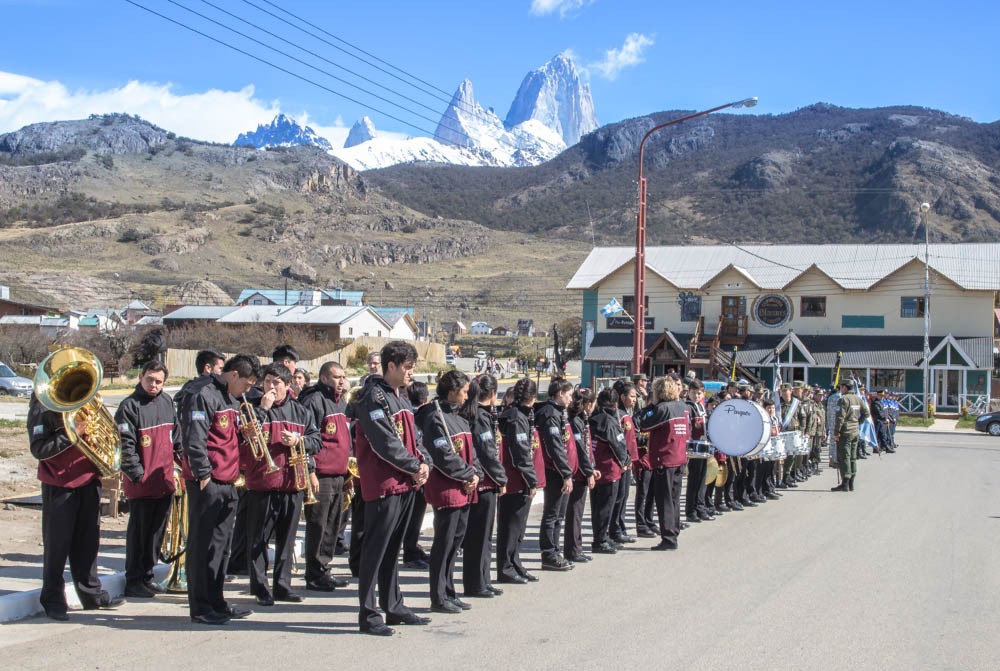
(67, 381)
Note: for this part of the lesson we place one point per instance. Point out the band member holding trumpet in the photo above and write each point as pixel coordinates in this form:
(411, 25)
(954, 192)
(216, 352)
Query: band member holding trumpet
(146, 424)
(480, 410)
(452, 485)
(211, 464)
(391, 467)
(328, 405)
(274, 495)
(71, 513)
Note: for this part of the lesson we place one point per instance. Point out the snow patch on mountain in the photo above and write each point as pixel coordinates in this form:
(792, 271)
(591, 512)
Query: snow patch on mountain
(363, 130)
(555, 96)
(282, 132)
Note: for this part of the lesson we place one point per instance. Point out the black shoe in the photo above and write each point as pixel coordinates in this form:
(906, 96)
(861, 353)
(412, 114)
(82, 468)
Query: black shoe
(772, 497)
(530, 577)
(105, 603)
(238, 613)
(850, 483)
(706, 517)
(693, 519)
(154, 587)
(480, 594)
(757, 498)
(139, 591)
(842, 487)
(579, 559)
(446, 607)
(735, 507)
(495, 590)
(862, 456)
(417, 564)
(322, 585)
(722, 508)
(290, 597)
(264, 600)
(410, 619)
(792, 484)
(624, 538)
(378, 630)
(512, 580)
(559, 564)
(604, 549)
(210, 618)
(458, 602)
(57, 615)
(684, 525)
(645, 533)
(747, 503)
(663, 546)
(339, 582)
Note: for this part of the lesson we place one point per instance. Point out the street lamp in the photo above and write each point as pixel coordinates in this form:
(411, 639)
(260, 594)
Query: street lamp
(924, 209)
(639, 330)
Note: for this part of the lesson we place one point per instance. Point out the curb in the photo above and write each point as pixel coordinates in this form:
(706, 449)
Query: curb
(960, 432)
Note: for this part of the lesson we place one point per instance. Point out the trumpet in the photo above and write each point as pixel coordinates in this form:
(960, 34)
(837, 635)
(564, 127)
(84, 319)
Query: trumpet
(254, 435)
(298, 460)
(352, 472)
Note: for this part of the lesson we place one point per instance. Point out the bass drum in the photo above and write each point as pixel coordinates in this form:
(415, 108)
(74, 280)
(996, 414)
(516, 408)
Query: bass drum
(739, 428)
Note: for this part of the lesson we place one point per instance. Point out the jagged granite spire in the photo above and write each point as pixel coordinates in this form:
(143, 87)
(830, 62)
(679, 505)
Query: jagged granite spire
(554, 95)
(282, 132)
(362, 131)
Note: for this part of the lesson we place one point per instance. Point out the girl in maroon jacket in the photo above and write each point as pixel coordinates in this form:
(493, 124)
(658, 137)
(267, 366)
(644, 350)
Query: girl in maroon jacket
(669, 427)
(610, 460)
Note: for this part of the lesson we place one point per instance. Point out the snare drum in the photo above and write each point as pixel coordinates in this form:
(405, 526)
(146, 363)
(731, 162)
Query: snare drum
(699, 449)
(802, 446)
(739, 428)
(789, 448)
(774, 450)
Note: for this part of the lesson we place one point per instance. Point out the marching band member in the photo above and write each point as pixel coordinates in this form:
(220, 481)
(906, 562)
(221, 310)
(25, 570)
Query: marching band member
(207, 362)
(694, 506)
(325, 400)
(584, 475)
(145, 422)
(391, 467)
(480, 410)
(611, 461)
(71, 514)
(415, 556)
(627, 399)
(274, 501)
(451, 486)
(668, 426)
(559, 455)
(522, 461)
(210, 439)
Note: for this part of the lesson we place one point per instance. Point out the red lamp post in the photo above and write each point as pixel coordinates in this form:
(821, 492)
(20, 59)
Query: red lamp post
(639, 329)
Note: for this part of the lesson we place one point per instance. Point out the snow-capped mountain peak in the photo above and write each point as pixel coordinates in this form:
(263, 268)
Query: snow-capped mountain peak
(362, 131)
(282, 132)
(554, 95)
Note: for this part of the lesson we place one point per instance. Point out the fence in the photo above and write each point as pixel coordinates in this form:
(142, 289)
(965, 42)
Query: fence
(180, 362)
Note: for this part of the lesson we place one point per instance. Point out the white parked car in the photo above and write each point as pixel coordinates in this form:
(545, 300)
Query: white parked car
(480, 354)
(13, 384)
(449, 359)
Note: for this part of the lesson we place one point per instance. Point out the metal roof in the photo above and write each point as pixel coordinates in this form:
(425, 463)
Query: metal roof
(773, 267)
(21, 320)
(296, 314)
(294, 296)
(208, 312)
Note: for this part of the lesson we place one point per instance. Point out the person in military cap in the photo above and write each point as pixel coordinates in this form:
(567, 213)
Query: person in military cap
(817, 431)
(851, 411)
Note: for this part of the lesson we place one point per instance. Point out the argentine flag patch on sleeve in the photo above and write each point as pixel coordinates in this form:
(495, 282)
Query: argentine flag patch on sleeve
(37, 429)
(522, 437)
(441, 443)
(123, 427)
(377, 414)
(554, 430)
(486, 436)
(198, 416)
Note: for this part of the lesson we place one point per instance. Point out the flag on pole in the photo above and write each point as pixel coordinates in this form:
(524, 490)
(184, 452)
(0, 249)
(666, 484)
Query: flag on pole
(776, 387)
(612, 308)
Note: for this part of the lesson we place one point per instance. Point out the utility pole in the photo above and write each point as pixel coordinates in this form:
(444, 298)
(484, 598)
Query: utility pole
(924, 209)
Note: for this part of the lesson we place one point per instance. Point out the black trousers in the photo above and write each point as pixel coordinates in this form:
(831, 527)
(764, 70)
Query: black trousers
(271, 514)
(385, 523)
(573, 536)
(512, 520)
(237, 563)
(643, 505)
(477, 554)
(618, 526)
(764, 470)
(733, 465)
(71, 529)
(323, 525)
(211, 514)
(357, 533)
(411, 539)
(146, 518)
(553, 514)
(667, 491)
(449, 532)
(602, 503)
(694, 494)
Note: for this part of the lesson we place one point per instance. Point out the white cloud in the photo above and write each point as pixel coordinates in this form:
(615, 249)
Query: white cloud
(629, 55)
(564, 7)
(213, 115)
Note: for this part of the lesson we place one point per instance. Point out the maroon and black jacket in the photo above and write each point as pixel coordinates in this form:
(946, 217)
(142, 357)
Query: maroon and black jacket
(146, 425)
(627, 422)
(582, 445)
(699, 419)
(558, 450)
(488, 443)
(329, 412)
(60, 463)
(521, 454)
(669, 428)
(610, 453)
(385, 442)
(209, 433)
(454, 463)
(289, 415)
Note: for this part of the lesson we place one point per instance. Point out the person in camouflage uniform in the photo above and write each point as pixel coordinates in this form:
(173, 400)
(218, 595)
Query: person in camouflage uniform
(816, 430)
(851, 412)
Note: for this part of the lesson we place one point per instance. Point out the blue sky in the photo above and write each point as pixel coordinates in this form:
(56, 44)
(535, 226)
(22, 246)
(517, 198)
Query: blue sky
(61, 58)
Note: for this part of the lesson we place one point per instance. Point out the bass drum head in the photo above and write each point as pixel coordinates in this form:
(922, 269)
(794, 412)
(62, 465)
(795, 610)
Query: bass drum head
(739, 428)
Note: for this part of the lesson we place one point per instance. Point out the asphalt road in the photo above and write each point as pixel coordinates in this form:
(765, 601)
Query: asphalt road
(901, 574)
